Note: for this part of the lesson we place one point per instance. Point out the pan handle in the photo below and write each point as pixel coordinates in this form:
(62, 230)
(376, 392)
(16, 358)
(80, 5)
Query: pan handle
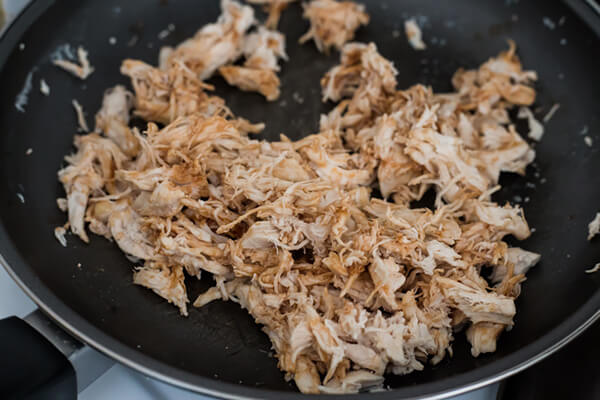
(40, 360)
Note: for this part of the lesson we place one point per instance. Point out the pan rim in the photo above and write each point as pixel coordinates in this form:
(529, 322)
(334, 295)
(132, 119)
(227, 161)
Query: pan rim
(89, 334)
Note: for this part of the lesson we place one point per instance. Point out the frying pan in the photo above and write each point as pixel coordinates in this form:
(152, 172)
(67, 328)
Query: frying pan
(218, 349)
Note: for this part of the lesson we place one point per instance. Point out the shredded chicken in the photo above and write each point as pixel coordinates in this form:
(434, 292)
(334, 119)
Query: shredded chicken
(536, 129)
(594, 227)
(83, 126)
(457, 142)
(596, 268)
(215, 44)
(166, 282)
(274, 8)
(414, 35)
(81, 70)
(164, 95)
(333, 23)
(59, 233)
(253, 80)
(262, 49)
(113, 119)
(347, 286)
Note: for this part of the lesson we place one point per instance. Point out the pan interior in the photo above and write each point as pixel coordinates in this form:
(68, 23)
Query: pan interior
(221, 340)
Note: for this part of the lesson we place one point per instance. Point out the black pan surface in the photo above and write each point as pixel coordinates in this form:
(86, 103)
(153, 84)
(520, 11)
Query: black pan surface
(218, 349)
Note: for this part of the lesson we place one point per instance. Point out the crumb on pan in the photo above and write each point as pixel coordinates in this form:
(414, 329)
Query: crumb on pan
(262, 81)
(44, 88)
(551, 113)
(83, 126)
(536, 129)
(414, 34)
(262, 50)
(59, 233)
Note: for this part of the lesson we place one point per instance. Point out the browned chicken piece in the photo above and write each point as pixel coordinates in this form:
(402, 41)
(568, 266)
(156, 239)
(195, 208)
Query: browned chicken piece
(215, 44)
(420, 139)
(167, 282)
(262, 49)
(274, 8)
(164, 95)
(89, 170)
(364, 76)
(347, 286)
(263, 81)
(500, 79)
(113, 119)
(333, 23)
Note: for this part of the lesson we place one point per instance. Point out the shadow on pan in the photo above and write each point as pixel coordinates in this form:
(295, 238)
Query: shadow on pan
(218, 349)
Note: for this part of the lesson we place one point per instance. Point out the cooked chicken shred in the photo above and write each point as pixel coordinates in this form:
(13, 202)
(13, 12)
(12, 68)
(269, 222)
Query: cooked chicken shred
(333, 23)
(594, 269)
(536, 129)
(81, 70)
(262, 50)
(414, 34)
(215, 44)
(346, 285)
(81, 122)
(274, 8)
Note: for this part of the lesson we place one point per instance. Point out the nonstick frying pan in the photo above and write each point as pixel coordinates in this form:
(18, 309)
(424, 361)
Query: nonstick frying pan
(218, 349)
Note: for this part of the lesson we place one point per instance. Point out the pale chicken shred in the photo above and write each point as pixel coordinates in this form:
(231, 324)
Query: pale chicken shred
(414, 35)
(274, 8)
(215, 44)
(214, 48)
(333, 23)
(81, 70)
(347, 286)
(262, 49)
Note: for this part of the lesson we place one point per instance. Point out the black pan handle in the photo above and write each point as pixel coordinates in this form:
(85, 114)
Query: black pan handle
(38, 360)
